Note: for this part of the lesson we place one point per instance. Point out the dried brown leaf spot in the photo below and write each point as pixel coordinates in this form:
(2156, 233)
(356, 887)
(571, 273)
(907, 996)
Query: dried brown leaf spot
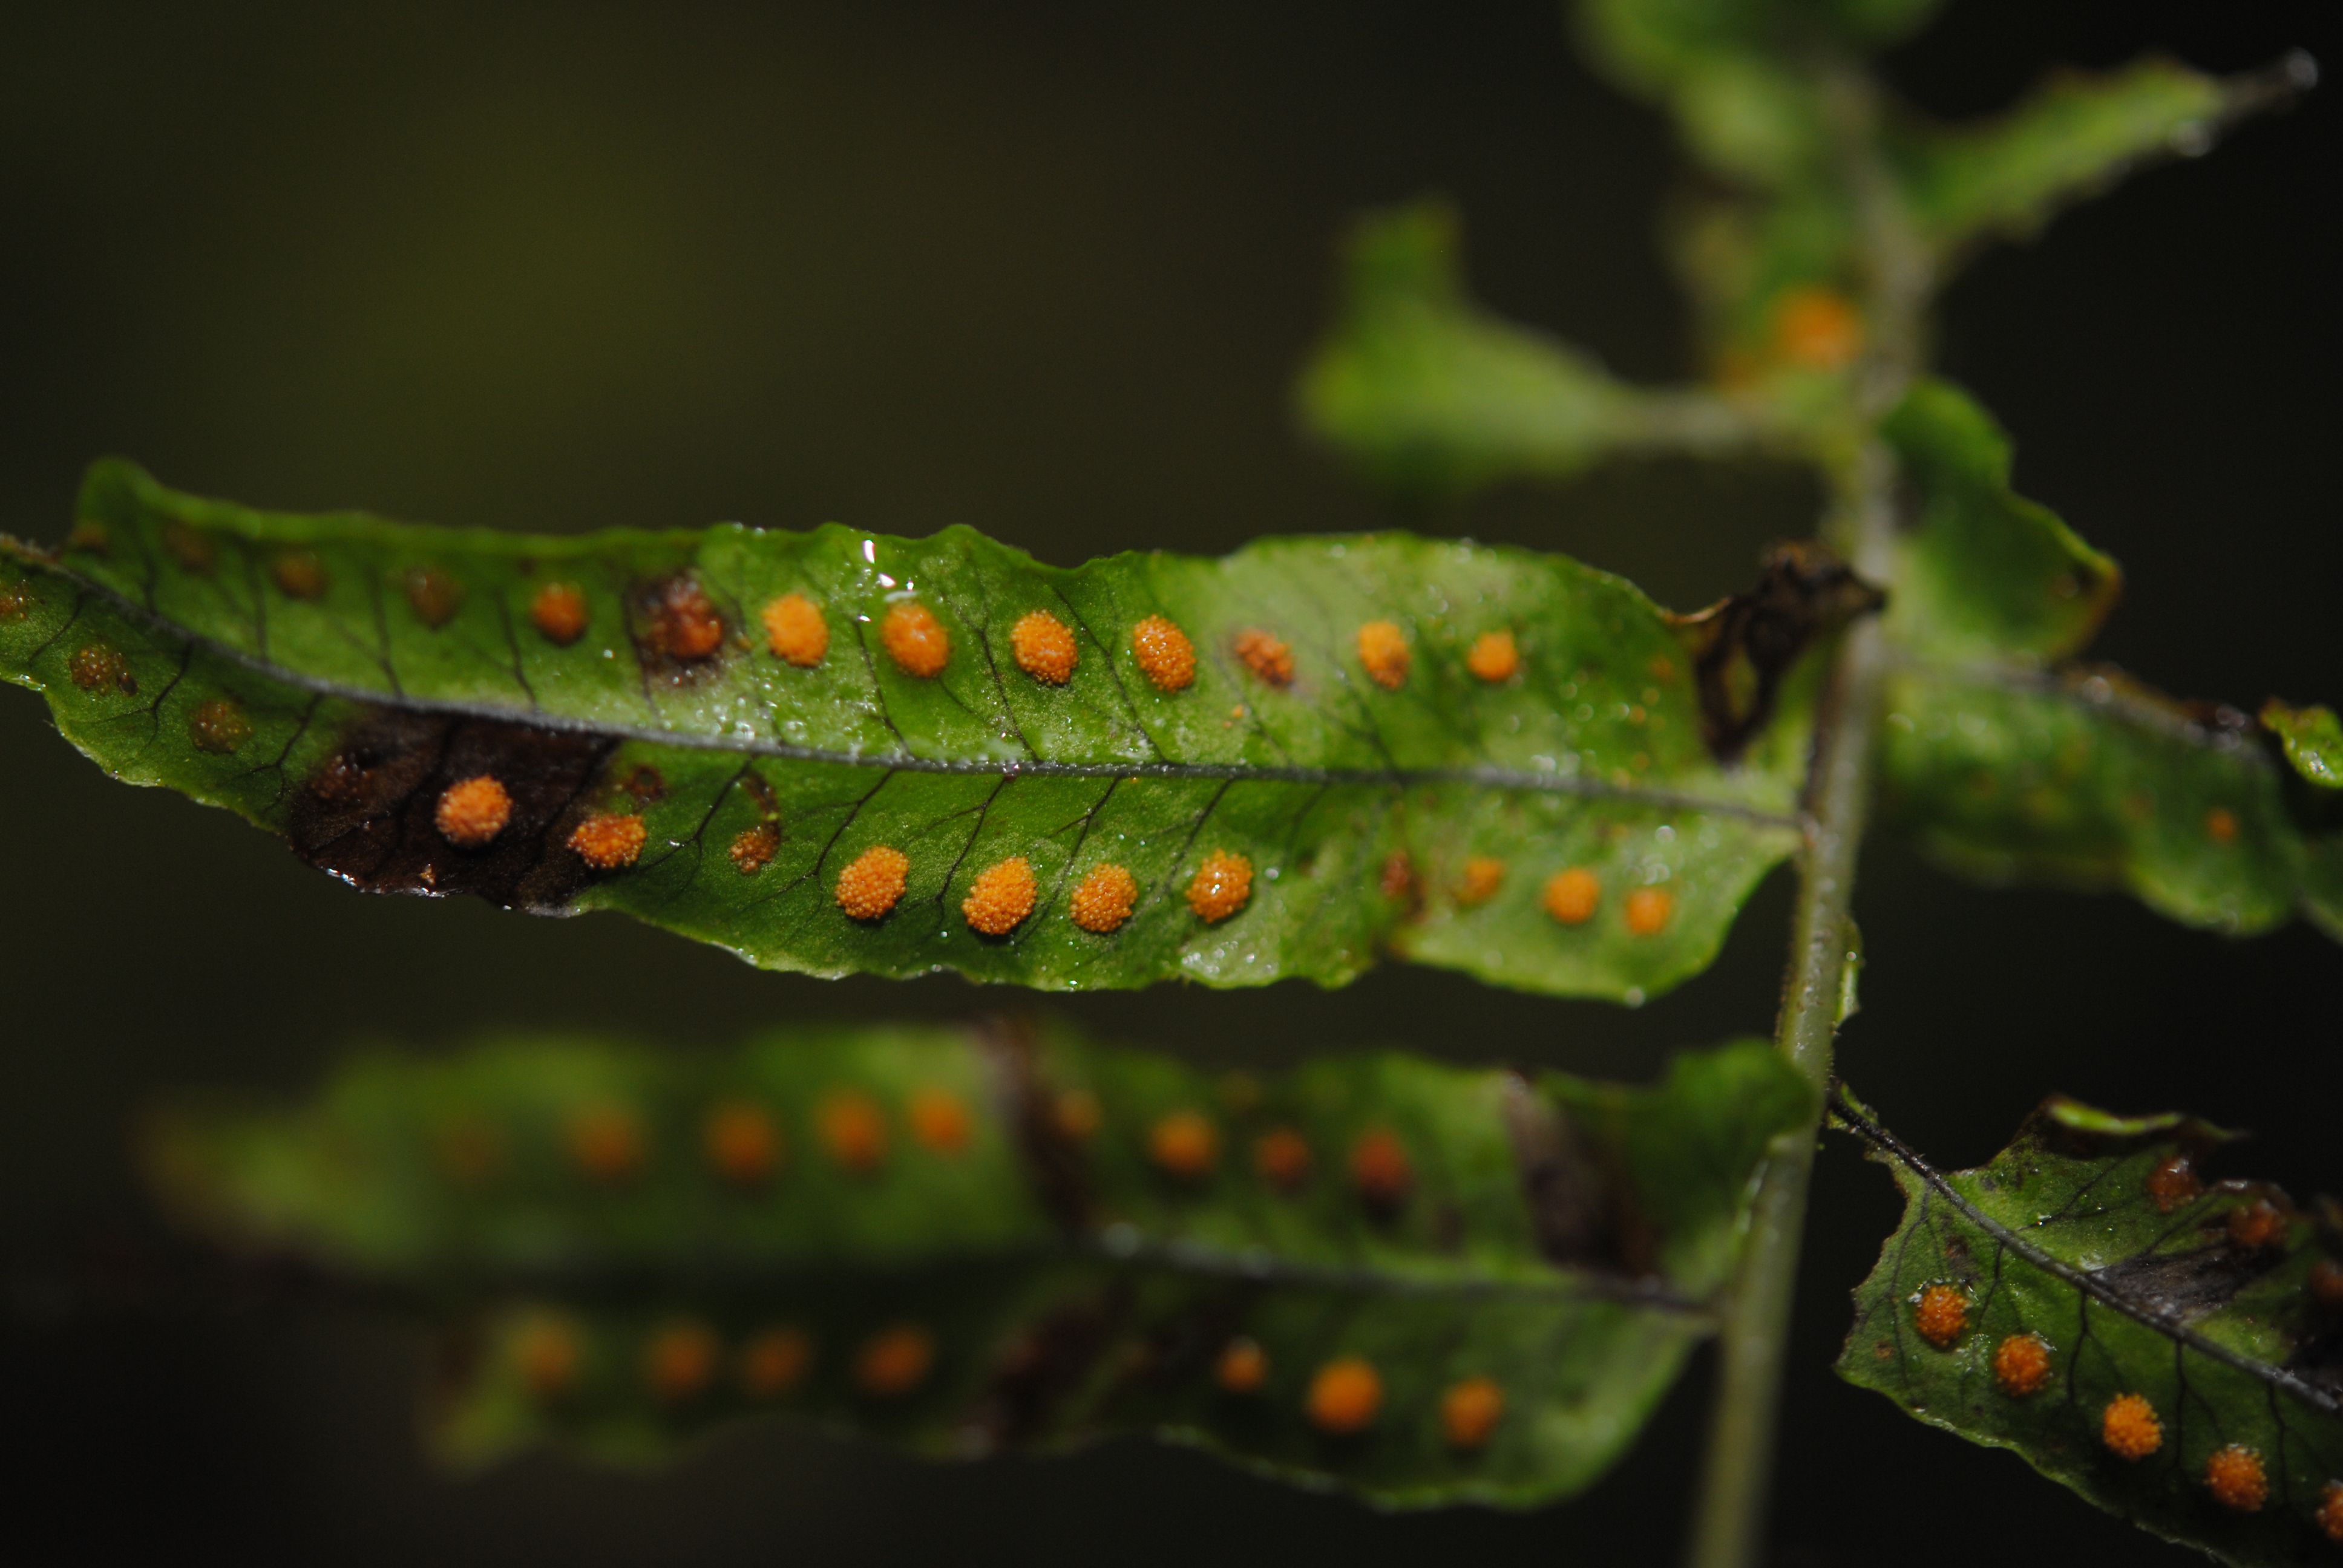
(1184, 1145)
(869, 887)
(680, 1364)
(1344, 1397)
(1241, 1367)
(753, 848)
(1468, 1413)
(2129, 1427)
(680, 623)
(1398, 877)
(1102, 900)
(915, 639)
(1940, 1315)
(1222, 885)
(1165, 655)
(853, 1129)
(894, 1360)
(796, 630)
(1383, 650)
(742, 1142)
(608, 841)
(1045, 650)
(433, 594)
(1270, 660)
(1742, 648)
(559, 612)
(218, 726)
(941, 1121)
(2173, 1182)
(1494, 658)
(775, 1362)
(299, 574)
(1002, 896)
(2021, 1365)
(2235, 1476)
(1571, 897)
(1381, 1172)
(1282, 1158)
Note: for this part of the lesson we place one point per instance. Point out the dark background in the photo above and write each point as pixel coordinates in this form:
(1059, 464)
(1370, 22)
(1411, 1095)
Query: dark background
(1048, 270)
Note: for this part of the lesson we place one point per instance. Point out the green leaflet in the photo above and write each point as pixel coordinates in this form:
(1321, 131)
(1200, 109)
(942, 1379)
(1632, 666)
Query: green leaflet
(963, 1240)
(1431, 395)
(2076, 136)
(2167, 1349)
(332, 677)
(2312, 740)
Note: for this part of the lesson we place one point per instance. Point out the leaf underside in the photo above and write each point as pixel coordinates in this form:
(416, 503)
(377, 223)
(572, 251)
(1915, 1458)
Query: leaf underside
(2213, 1313)
(1046, 1242)
(332, 678)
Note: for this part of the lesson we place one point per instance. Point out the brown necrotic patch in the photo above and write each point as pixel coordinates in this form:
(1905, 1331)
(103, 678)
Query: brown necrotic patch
(678, 630)
(369, 814)
(1742, 648)
(432, 593)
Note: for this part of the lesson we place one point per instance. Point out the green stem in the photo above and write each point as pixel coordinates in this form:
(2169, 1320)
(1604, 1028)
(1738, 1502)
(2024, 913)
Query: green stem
(1729, 1526)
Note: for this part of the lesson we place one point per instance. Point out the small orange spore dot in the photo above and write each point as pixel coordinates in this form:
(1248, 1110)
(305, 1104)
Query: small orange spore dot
(2173, 1182)
(2236, 1478)
(753, 849)
(1383, 649)
(1571, 896)
(796, 631)
(2326, 1284)
(1165, 653)
(1817, 328)
(2021, 1365)
(2257, 1225)
(915, 639)
(299, 574)
(1241, 1367)
(775, 1362)
(1001, 896)
(546, 1354)
(1077, 1114)
(1478, 883)
(1281, 1156)
(96, 664)
(743, 1144)
(1940, 1314)
(1102, 900)
(681, 622)
(1470, 1411)
(2221, 825)
(939, 1120)
(473, 812)
(2129, 1427)
(1045, 650)
(218, 726)
(1492, 657)
(854, 1130)
(1270, 660)
(1221, 886)
(433, 594)
(1184, 1145)
(1381, 1172)
(894, 1360)
(869, 888)
(680, 1363)
(1344, 1396)
(606, 1142)
(1648, 909)
(608, 841)
(2330, 1510)
(191, 549)
(558, 611)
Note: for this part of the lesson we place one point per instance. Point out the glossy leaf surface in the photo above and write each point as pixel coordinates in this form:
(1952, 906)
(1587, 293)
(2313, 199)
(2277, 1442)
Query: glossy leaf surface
(1291, 810)
(961, 1241)
(2312, 739)
(2171, 1350)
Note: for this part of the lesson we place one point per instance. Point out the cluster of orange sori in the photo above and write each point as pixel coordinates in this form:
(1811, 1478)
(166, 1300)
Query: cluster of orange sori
(681, 1362)
(473, 812)
(2130, 1427)
(1573, 896)
(1003, 894)
(1185, 1145)
(1345, 1395)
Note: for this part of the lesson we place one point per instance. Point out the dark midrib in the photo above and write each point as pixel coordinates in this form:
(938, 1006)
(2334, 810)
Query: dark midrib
(2082, 1279)
(1487, 777)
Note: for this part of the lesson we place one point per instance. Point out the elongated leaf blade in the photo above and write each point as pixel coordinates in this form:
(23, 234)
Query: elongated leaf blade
(2166, 1348)
(1299, 814)
(1431, 394)
(962, 1242)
